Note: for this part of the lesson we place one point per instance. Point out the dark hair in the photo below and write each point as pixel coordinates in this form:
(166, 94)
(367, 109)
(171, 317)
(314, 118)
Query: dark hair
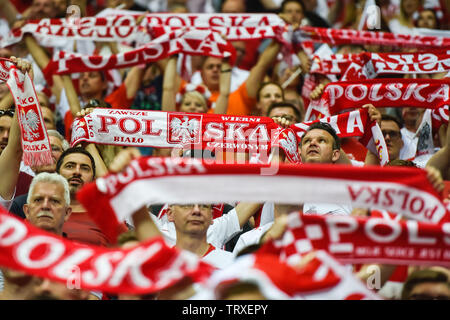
(127, 236)
(328, 128)
(388, 117)
(266, 84)
(401, 163)
(75, 150)
(438, 24)
(285, 104)
(95, 103)
(285, 2)
(421, 276)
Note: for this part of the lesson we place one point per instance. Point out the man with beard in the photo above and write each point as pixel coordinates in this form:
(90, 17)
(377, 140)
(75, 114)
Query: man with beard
(78, 167)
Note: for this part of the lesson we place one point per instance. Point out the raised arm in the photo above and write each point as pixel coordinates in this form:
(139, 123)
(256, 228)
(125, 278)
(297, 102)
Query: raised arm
(225, 82)
(12, 154)
(144, 225)
(441, 159)
(170, 85)
(40, 56)
(257, 73)
(8, 11)
(10, 161)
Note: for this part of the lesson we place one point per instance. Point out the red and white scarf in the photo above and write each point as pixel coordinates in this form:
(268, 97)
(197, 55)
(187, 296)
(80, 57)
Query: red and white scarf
(35, 141)
(364, 240)
(321, 278)
(149, 180)
(121, 26)
(353, 124)
(373, 64)
(187, 40)
(147, 268)
(204, 131)
(343, 96)
(338, 37)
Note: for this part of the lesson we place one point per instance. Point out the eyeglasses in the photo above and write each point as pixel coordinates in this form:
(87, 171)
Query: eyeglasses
(9, 112)
(424, 296)
(94, 103)
(393, 134)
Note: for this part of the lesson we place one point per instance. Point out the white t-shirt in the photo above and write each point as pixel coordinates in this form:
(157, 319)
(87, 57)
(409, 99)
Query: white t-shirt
(219, 233)
(251, 237)
(409, 148)
(219, 258)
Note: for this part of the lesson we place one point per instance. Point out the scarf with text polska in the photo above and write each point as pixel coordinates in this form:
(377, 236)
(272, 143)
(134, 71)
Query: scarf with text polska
(364, 240)
(187, 40)
(35, 141)
(152, 180)
(147, 268)
(353, 124)
(337, 37)
(124, 26)
(342, 96)
(368, 65)
(197, 131)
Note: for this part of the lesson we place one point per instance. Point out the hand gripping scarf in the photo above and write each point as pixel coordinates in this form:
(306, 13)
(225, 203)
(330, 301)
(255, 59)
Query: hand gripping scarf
(35, 141)
(151, 180)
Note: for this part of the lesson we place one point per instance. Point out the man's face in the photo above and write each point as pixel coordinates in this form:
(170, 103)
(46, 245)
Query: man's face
(294, 12)
(317, 147)
(57, 150)
(5, 126)
(191, 219)
(91, 84)
(41, 9)
(77, 169)
(269, 94)
(284, 112)
(211, 73)
(427, 20)
(47, 208)
(393, 138)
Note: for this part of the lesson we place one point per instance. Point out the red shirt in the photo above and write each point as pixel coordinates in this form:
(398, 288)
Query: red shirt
(80, 227)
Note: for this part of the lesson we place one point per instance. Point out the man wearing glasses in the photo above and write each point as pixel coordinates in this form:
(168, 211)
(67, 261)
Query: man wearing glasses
(390, 127)
(191, 224)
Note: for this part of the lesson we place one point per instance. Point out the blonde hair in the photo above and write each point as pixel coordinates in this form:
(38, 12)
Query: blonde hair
(197, 95)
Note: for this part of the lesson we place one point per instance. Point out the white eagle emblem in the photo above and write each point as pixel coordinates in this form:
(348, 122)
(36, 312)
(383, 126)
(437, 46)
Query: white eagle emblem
(78, 130)
(289, 145)
(185, 130)
(30, 124)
